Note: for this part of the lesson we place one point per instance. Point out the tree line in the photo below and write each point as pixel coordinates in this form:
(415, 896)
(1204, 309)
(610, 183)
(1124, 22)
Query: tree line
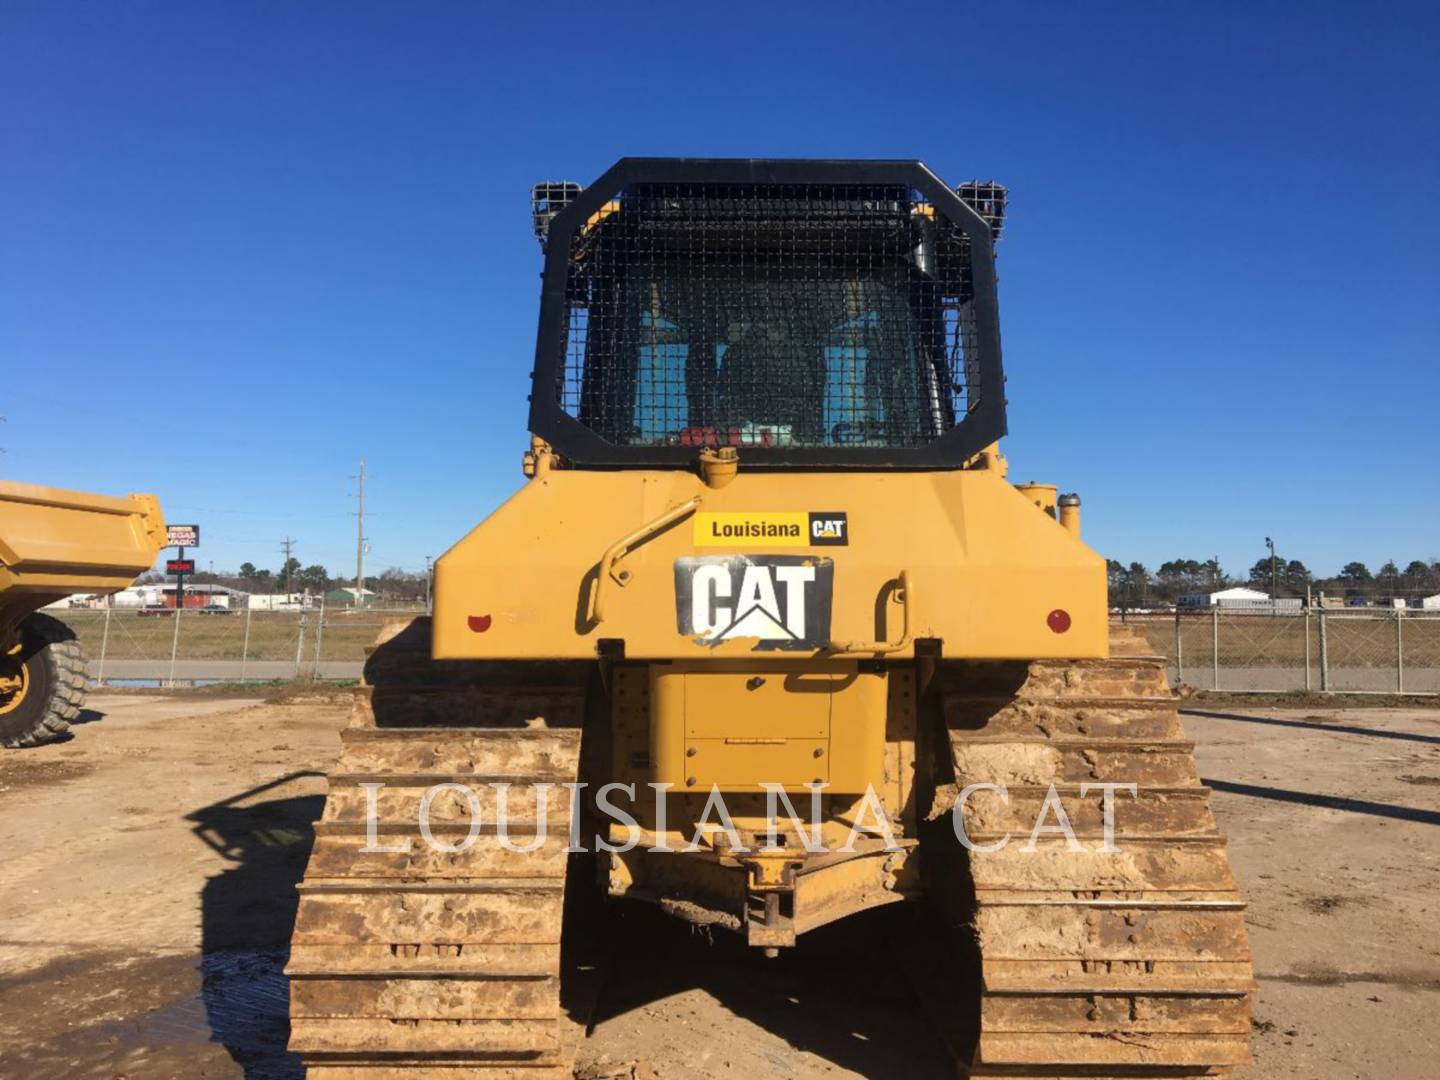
(1135, 585)
(294, 577)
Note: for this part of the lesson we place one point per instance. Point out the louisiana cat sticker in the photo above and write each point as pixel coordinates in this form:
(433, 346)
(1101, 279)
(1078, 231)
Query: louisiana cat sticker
(829, 528)
(737, 528)
(777, 601)
(770, 528)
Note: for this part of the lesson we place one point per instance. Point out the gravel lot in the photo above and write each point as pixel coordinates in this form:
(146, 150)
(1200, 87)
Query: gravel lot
(147, 865)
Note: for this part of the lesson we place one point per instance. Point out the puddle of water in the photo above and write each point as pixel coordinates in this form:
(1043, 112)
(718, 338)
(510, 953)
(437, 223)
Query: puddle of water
(155, 684)
(247, 1006)
(243, 1004)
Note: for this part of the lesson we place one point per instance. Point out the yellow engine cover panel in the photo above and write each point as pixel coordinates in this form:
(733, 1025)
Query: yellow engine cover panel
(731, 726)
(768, 566)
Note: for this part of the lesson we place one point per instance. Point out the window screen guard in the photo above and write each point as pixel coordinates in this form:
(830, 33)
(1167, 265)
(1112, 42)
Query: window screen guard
(814, 314)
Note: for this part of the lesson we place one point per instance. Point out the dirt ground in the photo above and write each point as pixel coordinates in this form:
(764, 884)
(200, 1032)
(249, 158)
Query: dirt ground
(147, 869)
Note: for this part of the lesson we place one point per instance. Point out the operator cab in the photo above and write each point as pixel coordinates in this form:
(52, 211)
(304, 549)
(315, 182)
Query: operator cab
(804, 318)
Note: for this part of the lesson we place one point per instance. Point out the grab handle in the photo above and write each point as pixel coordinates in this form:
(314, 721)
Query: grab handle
(869, 648)
(610, 561)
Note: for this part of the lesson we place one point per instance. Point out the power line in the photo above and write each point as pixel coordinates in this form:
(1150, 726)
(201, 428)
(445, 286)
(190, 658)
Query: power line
(307, 515)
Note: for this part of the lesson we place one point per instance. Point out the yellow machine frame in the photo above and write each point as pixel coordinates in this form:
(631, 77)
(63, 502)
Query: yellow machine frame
(985, 571)
(939, 565)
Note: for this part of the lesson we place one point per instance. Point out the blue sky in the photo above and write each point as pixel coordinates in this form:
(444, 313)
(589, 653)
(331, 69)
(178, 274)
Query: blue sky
(243, 244)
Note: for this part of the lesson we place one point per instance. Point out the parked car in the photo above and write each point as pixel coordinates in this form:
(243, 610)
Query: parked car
(215, 609)
(155, 609)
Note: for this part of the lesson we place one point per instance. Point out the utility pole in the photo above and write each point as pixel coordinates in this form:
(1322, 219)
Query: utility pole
(360, 535)
(428, 560)
(1274, 593)
(179, 605)
(286, 545)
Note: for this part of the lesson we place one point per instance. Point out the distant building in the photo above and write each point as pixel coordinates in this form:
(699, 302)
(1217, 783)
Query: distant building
(153, 594)
(281, 601)
(137, 596)
(1221, 596)
(1237, 597)
(198, 595)
(345, 597)
(1428, 603)
(78, 600)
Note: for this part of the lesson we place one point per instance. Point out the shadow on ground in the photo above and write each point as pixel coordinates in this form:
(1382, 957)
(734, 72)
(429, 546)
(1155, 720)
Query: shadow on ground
(845, 994)
(1316, 725)
(247, 913)
(1328, 802)
(85, 716)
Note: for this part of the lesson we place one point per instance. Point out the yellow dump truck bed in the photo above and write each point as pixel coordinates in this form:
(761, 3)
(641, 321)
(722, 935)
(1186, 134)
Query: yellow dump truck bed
(55, 543)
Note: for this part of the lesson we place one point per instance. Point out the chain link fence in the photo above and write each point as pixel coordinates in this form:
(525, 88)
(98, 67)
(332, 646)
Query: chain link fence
(1321, 650)
(171, 647)
(1328, 651)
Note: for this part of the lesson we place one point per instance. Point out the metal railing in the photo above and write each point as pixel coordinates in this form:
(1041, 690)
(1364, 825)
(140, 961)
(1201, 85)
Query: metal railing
(1324, 650)
(129, 645)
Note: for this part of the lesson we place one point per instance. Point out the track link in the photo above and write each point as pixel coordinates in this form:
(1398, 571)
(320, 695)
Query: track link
(1130, 963)
(425, 961)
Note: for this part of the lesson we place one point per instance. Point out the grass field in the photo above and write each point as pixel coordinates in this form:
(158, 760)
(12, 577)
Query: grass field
(271, 635)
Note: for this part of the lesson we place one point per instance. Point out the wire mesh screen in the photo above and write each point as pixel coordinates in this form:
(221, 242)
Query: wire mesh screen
(547, 199)
(775, 315)
(988, 199)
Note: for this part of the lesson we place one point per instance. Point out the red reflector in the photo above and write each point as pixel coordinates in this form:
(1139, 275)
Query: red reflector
(1058, 620)
(479, 623)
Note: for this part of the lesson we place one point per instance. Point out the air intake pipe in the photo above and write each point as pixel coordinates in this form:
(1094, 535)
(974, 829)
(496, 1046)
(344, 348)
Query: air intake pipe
(1069, 506)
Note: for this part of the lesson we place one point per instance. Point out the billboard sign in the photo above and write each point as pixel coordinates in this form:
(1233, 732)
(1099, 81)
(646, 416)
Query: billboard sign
(182, 536)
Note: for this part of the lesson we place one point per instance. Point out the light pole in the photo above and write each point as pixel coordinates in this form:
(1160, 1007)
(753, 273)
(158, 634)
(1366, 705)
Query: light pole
(1273, 591)
(428, 560)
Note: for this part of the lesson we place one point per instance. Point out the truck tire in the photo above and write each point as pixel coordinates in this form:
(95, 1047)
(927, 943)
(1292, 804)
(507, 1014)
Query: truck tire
(42, 683)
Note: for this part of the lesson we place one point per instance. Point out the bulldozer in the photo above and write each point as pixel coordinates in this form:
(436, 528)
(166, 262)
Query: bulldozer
(768, 639)
(56, 543)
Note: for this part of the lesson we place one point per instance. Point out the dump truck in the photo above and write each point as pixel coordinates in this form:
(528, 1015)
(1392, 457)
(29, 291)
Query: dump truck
(53, 544)
(768, 588)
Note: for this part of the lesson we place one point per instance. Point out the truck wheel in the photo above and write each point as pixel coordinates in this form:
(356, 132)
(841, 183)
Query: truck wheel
(42, 683)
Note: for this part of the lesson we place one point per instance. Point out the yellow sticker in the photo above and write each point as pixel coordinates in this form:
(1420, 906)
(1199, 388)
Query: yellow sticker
(761, 528)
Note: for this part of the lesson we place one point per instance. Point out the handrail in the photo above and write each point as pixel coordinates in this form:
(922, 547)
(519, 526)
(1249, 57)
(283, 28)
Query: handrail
(618, 550)
(872, 647)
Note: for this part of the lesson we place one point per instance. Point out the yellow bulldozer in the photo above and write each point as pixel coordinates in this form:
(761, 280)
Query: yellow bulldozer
(53, 544)
(768, 639)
